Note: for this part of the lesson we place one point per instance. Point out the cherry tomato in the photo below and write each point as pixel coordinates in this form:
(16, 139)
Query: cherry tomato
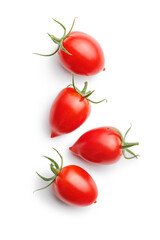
(102, 145)
(78, 52)
(75, 186)
(69, 110)
(86, 57)
(72, 184)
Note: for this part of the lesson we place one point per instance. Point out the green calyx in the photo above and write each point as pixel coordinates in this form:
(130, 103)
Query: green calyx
(55, 168)
(126, 145)
(84, 93)
(59, 41)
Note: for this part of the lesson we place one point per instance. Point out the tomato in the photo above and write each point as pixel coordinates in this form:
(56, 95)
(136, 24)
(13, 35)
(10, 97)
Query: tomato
(72, 184)
(102, 145)
(86, 57)
(75, 186)
(69, 110)
(78, 52)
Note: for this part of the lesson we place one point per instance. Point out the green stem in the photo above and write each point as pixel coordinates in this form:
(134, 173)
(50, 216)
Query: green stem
(45, 186)
(61, 26)
(132, 153)
(120, 134)
(87, 94)
(44, 178)
(56, 170)
(98, 101)
(127, 131)
(70, 28)
(127, 145)
(59, 41)
(54, 39)
(61, 159)
(47, 55)
(53, 161)
(85, 87)
(61, 46)
(83, 93)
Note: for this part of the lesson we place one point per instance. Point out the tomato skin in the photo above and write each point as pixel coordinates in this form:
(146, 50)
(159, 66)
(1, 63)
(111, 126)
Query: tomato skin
(68, 112)
(75, 186)
(100, 145)
(87, 56)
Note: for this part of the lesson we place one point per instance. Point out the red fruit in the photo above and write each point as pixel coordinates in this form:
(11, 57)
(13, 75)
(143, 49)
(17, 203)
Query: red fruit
(71, 184)
(75, 186)
(69, 110)
(86, 57)
(102, 145)
(78, 52)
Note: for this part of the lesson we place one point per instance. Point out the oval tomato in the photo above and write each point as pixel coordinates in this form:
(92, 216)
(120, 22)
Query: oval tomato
(70, 109)
(102, 145)
(75, 186)
(71, 184)
(86, 57)
(78, 52)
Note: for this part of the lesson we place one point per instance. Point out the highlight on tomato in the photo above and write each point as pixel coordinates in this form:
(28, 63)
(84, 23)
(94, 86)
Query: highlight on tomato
(70, 109)
(78, 52)
(104, 145)
(71, 184)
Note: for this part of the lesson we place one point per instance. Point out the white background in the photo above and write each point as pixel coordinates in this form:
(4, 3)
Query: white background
(128, 205)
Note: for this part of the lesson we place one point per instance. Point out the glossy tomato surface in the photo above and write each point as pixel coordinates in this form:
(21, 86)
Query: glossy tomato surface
(68, 112)
(75, 186)
(101, 145)
(87, 56)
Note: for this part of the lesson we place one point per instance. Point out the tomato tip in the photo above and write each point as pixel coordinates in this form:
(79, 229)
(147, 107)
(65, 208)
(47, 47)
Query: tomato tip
(53, 134)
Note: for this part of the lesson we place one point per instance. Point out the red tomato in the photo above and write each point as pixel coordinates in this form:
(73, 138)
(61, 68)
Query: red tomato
(102, 145)
(75, 186)
(71, 184)
(70, 109)
(68, 112)
(86, 57)
(78, 52)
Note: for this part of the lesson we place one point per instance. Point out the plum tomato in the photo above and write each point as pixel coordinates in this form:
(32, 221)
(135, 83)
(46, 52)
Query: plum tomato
(103, 145)
(71, 184)
(70, 109)
(78, 52)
